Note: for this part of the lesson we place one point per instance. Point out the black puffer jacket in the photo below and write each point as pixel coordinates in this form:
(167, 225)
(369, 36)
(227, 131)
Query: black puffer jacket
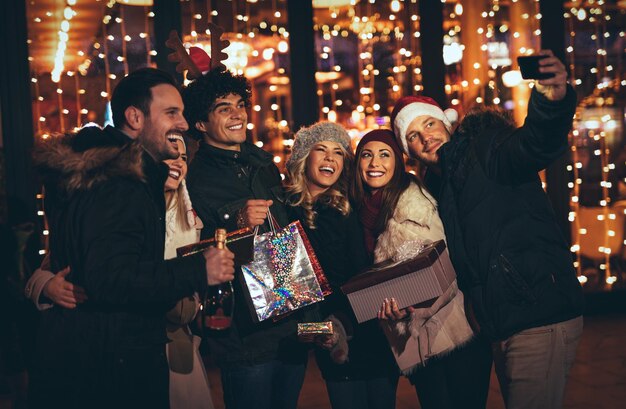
(339, 245)
(512, 259)
(220, 183)
(106, 209)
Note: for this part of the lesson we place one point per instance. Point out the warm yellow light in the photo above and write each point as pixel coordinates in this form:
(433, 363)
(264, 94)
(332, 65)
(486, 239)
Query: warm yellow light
(512, 78)
(452, 53)
(332, 116)
(136, 2)
(268, 54)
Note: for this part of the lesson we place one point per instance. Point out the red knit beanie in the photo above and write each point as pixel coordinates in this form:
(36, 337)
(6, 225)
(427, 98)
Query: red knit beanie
(409, 108)
(381, 135)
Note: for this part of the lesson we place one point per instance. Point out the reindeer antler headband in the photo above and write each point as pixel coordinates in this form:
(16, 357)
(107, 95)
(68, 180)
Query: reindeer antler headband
(197, 59)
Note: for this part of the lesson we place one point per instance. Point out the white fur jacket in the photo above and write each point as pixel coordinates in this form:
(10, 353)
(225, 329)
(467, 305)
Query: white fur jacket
(442, 327)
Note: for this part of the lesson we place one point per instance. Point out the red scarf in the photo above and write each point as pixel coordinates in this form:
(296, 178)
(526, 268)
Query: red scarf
(368, 215)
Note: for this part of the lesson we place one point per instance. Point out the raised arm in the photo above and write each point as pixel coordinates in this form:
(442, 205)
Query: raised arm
(516, 155)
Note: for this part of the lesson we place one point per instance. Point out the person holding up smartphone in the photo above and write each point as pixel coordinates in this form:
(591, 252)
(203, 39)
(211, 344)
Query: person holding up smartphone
(529, 66)
(512, 261)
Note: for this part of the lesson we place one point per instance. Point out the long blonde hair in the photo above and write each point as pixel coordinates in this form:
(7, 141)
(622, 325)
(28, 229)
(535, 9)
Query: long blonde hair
(335, 196)
(180, 196)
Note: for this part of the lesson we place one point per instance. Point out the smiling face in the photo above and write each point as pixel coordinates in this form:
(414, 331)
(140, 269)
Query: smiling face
(178, 167)
(225, 127)
(376, 164)
(424, 136)
(165, 119)
(323, 166)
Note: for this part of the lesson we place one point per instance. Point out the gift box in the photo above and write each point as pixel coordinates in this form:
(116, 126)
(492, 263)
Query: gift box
(315, 328)
(415, 281)
(307, 331)
(240, 242)
(284, 275)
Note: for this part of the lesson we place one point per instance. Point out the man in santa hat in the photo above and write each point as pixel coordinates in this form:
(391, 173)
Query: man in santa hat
(513, 262)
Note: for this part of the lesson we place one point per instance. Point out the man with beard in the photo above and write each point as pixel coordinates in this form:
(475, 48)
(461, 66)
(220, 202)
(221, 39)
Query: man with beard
(513, 262)
(105, 199)
(232, 184)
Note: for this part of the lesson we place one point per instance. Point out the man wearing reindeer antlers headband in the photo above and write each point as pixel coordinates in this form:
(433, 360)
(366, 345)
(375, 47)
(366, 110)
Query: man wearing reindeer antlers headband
(232, 184)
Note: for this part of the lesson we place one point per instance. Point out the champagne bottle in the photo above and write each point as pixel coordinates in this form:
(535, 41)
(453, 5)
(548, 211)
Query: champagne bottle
(219, 301)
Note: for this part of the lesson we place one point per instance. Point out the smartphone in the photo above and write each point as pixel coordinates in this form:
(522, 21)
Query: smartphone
(529, 66)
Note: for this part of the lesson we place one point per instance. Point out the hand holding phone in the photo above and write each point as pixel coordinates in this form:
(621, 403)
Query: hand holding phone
(529, 67)
(548, 72)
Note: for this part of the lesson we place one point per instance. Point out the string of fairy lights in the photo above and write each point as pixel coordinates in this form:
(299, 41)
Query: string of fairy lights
(481, 42)
(598, 223)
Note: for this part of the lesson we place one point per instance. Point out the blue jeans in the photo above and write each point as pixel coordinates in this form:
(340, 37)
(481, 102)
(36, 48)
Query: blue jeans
(532, 365)
(377, 393)
(272, 385)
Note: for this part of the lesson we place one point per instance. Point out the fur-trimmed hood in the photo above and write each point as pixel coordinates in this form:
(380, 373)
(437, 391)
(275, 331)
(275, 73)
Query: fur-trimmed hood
(414, 218)
(442, 327)
(92, 156)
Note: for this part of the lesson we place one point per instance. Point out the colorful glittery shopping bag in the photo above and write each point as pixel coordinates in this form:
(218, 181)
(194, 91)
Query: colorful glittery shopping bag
(285, 274)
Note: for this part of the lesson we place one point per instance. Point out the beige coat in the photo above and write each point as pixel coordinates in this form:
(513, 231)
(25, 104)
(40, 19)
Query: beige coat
(189, 385)
(442, 327)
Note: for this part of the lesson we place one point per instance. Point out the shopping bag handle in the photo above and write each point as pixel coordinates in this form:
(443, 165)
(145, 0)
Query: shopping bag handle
(271, 221)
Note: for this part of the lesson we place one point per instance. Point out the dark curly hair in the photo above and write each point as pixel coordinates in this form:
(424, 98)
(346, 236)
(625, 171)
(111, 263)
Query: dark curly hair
(200, 95)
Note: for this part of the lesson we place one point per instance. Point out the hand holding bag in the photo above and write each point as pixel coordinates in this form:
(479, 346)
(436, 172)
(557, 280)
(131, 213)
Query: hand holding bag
(285, 274)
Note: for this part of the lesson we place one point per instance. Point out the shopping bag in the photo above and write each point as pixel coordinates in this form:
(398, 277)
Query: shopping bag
(285, 274)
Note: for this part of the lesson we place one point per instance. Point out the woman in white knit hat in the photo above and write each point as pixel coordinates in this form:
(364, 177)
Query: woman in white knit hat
(359, 373)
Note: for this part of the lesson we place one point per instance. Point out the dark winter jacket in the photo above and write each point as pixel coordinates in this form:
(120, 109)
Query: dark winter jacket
(220, 183)
(105, 202)
(512, 259)
(339, 245)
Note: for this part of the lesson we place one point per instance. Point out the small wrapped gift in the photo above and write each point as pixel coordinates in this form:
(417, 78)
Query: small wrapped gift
(285, 274)
(416, 281)
(307, 331)
(315, 328)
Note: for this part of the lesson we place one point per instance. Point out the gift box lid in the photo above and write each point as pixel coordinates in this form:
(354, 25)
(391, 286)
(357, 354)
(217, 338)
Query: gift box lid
(240, 242)
(389, 269)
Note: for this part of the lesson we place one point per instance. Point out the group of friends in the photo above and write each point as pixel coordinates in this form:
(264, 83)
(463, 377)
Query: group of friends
(116, 302)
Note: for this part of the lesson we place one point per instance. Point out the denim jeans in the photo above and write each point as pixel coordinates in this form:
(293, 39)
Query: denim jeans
(271, 385)
(376, 393)
(532, 365)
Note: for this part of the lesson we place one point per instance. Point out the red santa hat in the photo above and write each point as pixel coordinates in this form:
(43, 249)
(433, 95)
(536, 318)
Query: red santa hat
(409, 108)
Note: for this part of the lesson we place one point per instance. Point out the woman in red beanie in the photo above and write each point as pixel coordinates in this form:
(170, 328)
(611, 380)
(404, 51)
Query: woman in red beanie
(451, 368)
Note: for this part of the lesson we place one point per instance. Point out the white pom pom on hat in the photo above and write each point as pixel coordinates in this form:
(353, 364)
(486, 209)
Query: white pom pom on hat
(409, 108)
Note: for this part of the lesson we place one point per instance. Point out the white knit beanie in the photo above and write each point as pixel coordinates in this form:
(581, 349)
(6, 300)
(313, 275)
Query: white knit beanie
(305, 138)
